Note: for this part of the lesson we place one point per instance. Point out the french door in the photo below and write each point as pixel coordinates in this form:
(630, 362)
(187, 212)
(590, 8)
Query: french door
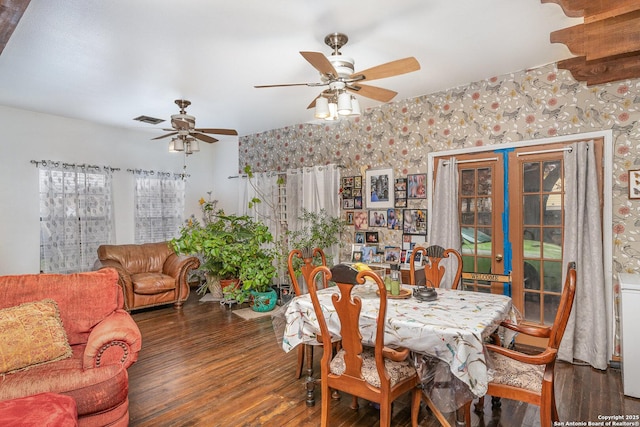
(511, 212)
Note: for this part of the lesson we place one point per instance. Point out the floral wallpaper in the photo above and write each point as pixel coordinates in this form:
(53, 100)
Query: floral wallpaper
(530, 104)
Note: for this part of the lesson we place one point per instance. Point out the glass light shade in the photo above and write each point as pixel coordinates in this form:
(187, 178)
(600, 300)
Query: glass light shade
(344, 104)
(172, 146)
(194, 145)
(178, 144)
(333, 111)
(322, 108)
(355, 107)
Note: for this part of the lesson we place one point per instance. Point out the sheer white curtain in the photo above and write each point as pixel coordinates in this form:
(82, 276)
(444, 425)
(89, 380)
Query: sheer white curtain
(264, 187)
(445, 227)
(313, 189)
(76, 215)
(159, 206)
(585, 338)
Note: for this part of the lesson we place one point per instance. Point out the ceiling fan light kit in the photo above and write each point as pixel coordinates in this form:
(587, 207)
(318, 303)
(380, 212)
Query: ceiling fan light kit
(186, 137)
(337, 72)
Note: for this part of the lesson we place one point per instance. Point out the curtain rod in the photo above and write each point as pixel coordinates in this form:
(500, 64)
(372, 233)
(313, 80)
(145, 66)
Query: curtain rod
(71, 165)
(551, 150)
(488, 159)
(286, 172)
(159, 173)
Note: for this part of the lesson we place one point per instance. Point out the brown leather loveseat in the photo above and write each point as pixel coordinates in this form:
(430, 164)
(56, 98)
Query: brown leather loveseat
(150, 274)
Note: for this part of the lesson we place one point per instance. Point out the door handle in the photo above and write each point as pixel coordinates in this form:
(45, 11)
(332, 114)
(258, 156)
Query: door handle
(498, 257)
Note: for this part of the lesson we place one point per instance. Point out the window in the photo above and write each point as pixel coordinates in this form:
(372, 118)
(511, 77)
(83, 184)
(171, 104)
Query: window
(159, 207)
(75, 215)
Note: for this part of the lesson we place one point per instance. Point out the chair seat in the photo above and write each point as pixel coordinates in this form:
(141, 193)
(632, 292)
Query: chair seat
(152, 283)
(517, 374)
(398, 371)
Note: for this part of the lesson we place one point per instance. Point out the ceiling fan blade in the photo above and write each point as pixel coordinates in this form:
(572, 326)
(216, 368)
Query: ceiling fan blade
(282, 85)
(164, 136)
(217, 131)
(320, 63)
(373, 92)
(390, 69)
(203, 137)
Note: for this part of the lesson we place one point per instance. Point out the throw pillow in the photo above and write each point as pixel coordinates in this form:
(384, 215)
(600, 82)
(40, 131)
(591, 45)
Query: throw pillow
(31, 334)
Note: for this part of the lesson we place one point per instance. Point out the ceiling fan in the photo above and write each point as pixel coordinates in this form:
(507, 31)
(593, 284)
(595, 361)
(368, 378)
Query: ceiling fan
(185, 132)
(337, 72)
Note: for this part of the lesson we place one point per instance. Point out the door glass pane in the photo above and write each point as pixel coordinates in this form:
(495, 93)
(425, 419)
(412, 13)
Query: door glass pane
(532, 307)
(476, 212)
(542, 212)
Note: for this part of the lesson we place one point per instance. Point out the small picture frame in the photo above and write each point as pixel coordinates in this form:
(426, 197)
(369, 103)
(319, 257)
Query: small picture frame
(371, 237)
(378, 188)
(349, 217)
(359, 237)
(378, 218)
(634, 184)
(368, 252)
(392, 254)
(414, 221)
(347, 204)
(417, 186)
(360, 220)
(357, 202)
(356, 256)
(357, 181)
(394, 219)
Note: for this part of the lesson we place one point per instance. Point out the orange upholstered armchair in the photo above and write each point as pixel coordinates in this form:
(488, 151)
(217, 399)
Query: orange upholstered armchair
(150, 274)
(73, 339)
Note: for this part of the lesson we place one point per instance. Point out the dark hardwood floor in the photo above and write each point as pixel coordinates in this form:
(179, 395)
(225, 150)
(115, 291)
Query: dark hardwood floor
(205, 366)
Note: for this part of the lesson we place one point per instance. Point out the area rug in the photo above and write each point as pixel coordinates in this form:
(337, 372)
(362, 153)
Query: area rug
(248, 313)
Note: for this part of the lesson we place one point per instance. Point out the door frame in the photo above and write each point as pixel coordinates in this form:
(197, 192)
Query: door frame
(607, 210)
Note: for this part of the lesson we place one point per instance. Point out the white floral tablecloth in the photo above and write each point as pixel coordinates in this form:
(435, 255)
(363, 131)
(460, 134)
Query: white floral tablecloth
(451, 328)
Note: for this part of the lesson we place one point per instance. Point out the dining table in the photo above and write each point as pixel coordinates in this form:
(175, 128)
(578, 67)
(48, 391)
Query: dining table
(446, 336)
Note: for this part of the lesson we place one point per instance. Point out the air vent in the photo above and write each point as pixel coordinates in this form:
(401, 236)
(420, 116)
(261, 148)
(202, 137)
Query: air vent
(150, 120)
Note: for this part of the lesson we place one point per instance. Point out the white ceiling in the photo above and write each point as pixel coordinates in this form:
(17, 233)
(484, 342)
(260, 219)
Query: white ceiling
(110, 61)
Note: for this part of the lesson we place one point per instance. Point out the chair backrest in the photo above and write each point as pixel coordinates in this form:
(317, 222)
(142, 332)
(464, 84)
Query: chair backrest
(433, 272)
(141, 258)
(348, 307)
(307, 255)
(564, 307)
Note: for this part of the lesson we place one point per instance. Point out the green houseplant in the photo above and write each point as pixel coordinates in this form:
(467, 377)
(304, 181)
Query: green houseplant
(318, 230)
(231, 246)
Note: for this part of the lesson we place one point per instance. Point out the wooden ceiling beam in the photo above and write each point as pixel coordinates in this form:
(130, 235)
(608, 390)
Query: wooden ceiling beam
(607, 45)
(10, 13)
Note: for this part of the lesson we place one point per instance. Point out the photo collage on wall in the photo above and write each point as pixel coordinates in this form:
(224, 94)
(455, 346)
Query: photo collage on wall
(386, 206)
(351, 192)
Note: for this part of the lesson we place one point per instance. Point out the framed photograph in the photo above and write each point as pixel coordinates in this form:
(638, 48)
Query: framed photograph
(357, 202)
(368, 252)
(378, 188)
(356, 256)
(400, 184)
(401, 203)
(347, 192)
(634, 184)
(360, 220)
(403, 256)
(349, 217)
(394, 219)
(378, 218)
(347, 204)
(416, 262)
(377, 258)
(392, 254)
(414, 221)
(371, 237)
(347, 181)
(417, 186)
(357, 181)
(359, 238)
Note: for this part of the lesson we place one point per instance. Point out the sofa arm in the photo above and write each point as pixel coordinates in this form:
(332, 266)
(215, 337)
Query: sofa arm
(116, 339)
(178, 267)
(124, 279)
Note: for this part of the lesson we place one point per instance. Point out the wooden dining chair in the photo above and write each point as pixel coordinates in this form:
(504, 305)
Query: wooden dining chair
(306, 255)
(432, 273)
(530, 378)
(378, 374)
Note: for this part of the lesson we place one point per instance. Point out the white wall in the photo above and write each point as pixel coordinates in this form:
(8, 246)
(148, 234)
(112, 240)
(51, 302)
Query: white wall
(30, 136)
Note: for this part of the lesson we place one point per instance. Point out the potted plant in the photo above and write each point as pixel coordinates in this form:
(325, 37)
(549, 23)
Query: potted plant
(319, 230)
(231, 247)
